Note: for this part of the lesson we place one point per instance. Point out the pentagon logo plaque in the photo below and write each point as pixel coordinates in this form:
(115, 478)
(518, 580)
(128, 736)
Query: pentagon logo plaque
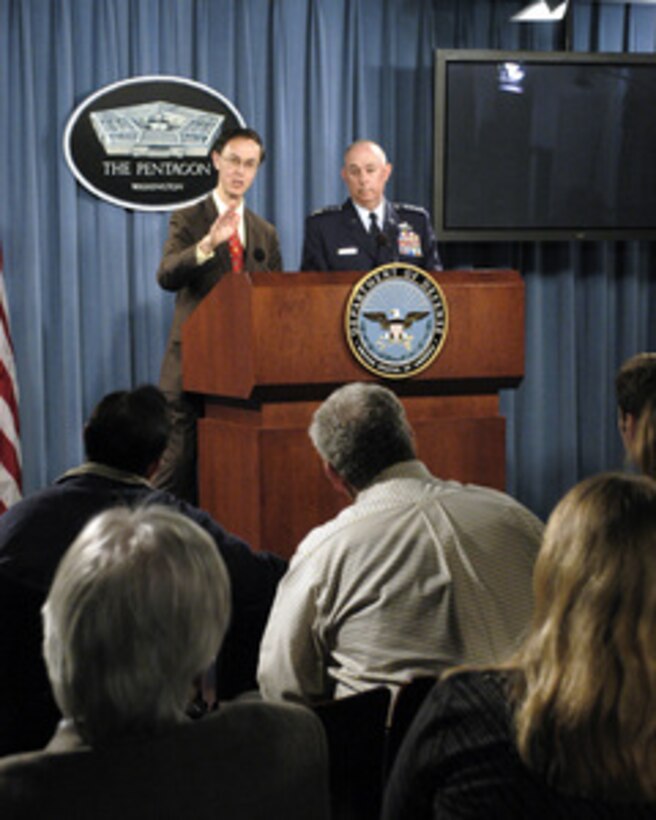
(145, 143)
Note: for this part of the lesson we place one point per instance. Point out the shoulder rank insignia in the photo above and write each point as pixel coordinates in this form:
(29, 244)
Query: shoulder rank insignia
(327, 210)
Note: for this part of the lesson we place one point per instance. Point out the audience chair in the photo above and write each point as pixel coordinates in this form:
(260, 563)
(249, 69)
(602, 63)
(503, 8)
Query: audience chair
(355, 729)
(28, 713)
(404, 708)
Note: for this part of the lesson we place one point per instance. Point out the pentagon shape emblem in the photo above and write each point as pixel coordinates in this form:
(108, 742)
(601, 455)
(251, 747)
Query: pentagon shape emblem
(145, 143)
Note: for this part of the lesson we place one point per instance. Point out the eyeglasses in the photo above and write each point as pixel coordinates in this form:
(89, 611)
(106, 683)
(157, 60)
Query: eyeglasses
(237, 162)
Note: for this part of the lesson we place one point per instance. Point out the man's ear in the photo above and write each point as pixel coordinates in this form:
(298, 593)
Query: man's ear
(339, 484)
(627, 423)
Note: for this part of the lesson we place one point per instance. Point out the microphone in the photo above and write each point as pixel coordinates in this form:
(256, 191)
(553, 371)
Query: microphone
(387, 243)
(259, 256)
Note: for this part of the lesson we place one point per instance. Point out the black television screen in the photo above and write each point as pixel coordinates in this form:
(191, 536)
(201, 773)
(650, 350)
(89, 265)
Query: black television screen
(544, 145)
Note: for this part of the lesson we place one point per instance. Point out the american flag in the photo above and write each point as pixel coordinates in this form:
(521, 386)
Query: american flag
(10, 450)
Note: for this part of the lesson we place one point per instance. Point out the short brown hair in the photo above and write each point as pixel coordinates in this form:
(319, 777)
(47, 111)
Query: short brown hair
(635, 383)
(238, 133)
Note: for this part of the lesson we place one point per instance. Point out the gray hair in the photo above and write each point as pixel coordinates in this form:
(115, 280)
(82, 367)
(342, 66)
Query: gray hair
(360, 430)
(137, 610)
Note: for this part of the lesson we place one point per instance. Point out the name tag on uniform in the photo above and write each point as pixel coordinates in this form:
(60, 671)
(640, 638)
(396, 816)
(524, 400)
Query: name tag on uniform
(347, 251)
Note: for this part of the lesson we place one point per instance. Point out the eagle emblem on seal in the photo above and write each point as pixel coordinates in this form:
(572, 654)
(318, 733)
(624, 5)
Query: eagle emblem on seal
(395, 325)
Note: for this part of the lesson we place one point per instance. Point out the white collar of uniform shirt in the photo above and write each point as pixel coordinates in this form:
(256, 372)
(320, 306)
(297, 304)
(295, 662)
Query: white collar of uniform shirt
(363, 213)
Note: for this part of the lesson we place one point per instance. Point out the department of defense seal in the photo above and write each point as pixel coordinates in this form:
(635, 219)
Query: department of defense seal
(396, 320)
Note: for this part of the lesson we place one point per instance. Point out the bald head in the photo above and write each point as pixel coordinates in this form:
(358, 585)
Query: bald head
(367, 145)
(365, 172)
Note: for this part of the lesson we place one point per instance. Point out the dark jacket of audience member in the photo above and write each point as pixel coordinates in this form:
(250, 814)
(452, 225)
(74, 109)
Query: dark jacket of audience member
(568, 727)
(135, 615)
(124, 439)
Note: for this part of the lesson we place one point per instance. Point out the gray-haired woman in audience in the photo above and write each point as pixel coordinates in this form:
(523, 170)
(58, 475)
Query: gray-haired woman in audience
(137, 610)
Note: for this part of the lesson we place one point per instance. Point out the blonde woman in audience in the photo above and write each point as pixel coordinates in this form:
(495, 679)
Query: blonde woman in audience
(567, 729)
(137, 610)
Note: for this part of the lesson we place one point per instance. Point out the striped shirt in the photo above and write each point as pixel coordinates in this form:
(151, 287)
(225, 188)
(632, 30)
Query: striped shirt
(417, 575)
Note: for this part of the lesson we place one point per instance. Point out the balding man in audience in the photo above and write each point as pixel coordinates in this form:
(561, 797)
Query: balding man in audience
(416, 575)
(136, 613)
(124, 439)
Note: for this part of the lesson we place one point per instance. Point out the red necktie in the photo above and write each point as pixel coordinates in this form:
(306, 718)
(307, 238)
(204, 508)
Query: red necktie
(236, 253)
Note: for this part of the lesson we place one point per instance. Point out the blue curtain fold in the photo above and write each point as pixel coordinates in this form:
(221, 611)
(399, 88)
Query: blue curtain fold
(310, 75)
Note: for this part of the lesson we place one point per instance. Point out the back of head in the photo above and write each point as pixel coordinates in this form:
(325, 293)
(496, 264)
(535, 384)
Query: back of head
(587, 711)
(137, 610)
(360, 430)
(128, 430)
(635, 383)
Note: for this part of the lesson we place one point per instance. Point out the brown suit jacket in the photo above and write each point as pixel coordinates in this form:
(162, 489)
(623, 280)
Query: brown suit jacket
(248, 761)
(179, 272)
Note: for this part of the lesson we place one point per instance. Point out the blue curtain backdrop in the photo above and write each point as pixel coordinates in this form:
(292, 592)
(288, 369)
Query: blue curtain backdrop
(311, 75)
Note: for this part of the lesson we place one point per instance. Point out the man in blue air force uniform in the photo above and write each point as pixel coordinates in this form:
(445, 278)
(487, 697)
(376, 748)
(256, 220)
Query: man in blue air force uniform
(368, 230)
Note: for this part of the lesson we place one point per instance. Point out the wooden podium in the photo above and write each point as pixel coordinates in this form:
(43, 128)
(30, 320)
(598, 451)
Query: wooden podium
(263, 350)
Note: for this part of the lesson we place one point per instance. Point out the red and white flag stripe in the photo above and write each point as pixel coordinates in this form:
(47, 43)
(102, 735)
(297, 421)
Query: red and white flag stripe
(10, 450)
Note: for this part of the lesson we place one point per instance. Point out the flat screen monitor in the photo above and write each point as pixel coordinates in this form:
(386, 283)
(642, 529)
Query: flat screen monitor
(544, 145)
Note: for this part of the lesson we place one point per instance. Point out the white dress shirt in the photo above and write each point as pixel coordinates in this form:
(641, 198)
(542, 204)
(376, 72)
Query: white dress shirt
(365, 215)
(417, 575)
(221, 207)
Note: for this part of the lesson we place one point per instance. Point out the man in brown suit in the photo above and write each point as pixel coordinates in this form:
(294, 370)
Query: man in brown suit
(206, 241)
